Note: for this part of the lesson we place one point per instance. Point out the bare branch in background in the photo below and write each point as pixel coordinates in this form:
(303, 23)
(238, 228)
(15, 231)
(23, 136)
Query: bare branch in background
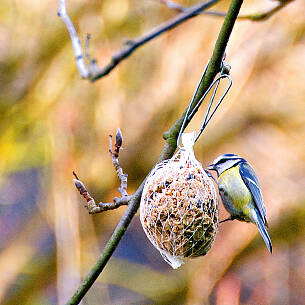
(92, 71)
(91, 205)
(253, 17)
(78, 52)
(265, 15)
(173, 5)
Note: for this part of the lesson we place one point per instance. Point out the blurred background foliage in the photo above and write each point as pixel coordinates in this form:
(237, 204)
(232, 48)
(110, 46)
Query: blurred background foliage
(52, 122)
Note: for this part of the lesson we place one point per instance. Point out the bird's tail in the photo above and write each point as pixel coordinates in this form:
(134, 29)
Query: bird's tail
(262, 229)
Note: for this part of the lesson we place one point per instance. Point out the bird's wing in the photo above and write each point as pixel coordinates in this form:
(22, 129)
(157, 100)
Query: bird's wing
(250, 179)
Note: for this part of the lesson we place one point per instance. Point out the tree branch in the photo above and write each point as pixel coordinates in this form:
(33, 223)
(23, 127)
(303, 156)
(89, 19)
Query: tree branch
(265, 15)
(92, 71)
(91, 205)
(213, 68)
(78, 52)
(167, 152)
(132, 45)
(253, 17)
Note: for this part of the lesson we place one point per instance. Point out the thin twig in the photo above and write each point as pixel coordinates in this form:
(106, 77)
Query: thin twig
(173, 5)
(91, 205)
(253, 17)
(78, 51)
(265, 15)
(93, 72)
(87, 54)
(167, 152)
(132, 45)
(115, 160)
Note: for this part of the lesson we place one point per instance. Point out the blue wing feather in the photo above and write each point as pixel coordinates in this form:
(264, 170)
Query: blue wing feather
(250, 179)
(263, 231)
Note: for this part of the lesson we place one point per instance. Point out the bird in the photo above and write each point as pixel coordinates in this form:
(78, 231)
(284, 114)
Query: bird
(241, 193)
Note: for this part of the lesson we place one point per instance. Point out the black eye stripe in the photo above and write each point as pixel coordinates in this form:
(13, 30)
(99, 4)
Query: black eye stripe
(224, 160)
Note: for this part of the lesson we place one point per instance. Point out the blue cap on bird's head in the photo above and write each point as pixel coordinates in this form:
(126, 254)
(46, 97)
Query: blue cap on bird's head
(224, 162)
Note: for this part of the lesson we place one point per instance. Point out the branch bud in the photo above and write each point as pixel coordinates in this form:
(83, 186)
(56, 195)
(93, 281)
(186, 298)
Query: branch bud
(118, 138)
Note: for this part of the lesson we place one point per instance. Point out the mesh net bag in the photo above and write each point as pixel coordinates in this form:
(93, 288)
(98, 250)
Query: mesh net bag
(179, 208)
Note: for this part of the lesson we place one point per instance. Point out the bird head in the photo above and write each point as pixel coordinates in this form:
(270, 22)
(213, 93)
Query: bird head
(224, 162)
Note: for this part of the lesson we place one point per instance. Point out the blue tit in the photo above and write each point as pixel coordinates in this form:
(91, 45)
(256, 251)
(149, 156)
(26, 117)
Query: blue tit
(240, 192)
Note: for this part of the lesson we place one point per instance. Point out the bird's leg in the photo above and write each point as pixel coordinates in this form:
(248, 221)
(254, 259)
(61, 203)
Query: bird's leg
(227, 219)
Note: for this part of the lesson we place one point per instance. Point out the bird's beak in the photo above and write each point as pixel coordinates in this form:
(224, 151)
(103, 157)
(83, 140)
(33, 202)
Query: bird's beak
(211, 167)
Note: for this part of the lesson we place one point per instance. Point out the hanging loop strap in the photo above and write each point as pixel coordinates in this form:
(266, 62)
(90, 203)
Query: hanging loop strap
(224, 73)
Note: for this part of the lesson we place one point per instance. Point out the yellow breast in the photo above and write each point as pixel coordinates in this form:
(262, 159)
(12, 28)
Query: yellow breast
(235, 190)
